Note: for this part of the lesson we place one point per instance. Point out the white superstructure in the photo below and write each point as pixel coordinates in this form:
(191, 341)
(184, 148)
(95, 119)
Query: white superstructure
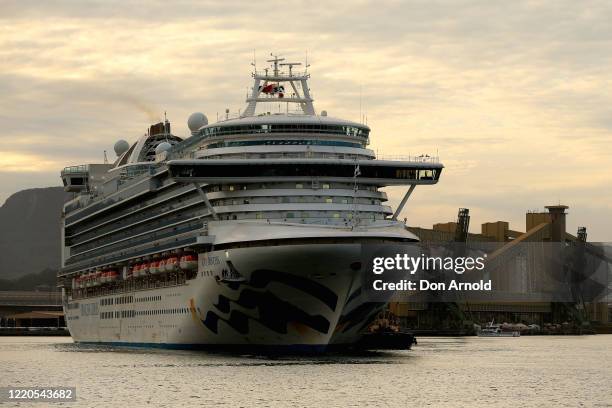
(249, 232)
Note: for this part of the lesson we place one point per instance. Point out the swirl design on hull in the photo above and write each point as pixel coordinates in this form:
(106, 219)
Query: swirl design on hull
(273, 313)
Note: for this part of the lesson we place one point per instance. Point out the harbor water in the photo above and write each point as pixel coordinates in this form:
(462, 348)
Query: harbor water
(470, 371)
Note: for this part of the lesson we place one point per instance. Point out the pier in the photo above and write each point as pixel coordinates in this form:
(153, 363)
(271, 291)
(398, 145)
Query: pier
(31, 313)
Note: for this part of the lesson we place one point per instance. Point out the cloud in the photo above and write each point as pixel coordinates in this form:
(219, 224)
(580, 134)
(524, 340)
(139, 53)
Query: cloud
(513, 96)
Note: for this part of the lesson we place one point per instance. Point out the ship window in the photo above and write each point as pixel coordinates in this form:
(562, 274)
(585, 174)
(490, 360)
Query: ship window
(336, 215)
(344, 201)
(325, 186)
(289, 215)
(259, 215)
(231, 188)
(329, 200)
(299, 185)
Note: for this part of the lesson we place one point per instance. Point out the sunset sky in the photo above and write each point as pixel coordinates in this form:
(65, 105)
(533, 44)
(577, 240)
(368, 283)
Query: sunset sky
(515, 97)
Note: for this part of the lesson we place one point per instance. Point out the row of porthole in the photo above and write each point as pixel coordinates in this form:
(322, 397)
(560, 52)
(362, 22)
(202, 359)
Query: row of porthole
(133, 313)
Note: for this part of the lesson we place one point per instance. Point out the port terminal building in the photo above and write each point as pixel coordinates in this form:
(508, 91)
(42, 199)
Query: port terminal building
(30, 310)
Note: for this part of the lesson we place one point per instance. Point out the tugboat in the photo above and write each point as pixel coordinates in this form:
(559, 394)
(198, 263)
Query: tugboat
(385, 333)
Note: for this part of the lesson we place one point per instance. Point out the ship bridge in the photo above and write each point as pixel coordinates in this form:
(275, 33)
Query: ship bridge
(374, 172)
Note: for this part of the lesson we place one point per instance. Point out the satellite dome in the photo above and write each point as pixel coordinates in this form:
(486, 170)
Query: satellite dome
(324, 113)
(121, 147)
(163, 147)
(196, 121)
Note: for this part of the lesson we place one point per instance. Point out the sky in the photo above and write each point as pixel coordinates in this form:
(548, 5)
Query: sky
(514, 97)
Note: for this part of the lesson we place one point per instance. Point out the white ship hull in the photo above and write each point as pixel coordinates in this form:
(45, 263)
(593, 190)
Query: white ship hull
(291, 296)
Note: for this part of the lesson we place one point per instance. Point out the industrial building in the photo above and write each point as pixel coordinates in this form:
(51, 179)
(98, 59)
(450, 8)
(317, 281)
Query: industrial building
(540, 226)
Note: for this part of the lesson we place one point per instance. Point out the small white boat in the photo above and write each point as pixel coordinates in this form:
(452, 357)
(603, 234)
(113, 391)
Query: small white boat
(495, 330)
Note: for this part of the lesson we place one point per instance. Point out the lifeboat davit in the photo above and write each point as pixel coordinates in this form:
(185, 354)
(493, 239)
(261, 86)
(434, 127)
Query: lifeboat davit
(172, 263)
(188, 262)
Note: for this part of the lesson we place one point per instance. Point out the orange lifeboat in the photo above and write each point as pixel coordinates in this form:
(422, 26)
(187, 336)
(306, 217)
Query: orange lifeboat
(144, 268)
(136, 270)
(108, 275)
(161, 265)
(153, 266)
(188, 262)
(172, 263)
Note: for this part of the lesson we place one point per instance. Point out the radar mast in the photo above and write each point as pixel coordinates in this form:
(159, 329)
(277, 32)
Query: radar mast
(270, 87)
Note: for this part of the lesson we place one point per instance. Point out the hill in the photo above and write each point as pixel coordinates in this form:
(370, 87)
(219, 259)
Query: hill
(30, 231)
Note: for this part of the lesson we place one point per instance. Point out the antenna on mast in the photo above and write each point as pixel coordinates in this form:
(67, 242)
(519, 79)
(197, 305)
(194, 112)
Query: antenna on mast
(275, 60)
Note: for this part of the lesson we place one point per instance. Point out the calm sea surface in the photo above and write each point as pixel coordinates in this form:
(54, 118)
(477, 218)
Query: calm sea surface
(526, 371)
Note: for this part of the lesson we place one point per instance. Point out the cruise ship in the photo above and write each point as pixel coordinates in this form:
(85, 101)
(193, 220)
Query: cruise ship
(247, 233)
